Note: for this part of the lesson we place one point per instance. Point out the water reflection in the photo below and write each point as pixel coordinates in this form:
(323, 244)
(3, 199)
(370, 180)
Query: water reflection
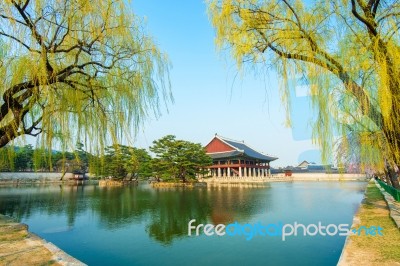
(165, 212)
(140, 225)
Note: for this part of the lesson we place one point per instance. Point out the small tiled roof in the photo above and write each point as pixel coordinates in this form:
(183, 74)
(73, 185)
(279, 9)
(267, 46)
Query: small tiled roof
(240, 149)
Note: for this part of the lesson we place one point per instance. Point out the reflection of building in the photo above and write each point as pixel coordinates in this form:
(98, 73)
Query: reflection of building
(235, 158)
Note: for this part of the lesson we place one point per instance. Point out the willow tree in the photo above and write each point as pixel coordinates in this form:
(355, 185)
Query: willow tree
(76, 70)
(348, 50)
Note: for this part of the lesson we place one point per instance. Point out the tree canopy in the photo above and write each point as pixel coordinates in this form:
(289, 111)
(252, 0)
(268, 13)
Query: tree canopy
(119, 161)
(348, 50)
(178, 159)
(26, 158)
(76, 70)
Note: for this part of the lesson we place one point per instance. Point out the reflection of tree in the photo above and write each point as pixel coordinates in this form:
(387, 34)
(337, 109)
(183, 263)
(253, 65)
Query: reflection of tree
(165, 211)
(176, 207)
(118, 206)
(168, 211)
(173, 209)
(23, 202)
(76, 203)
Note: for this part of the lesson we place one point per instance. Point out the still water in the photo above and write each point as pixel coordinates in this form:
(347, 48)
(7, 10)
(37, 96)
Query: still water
(141, 225)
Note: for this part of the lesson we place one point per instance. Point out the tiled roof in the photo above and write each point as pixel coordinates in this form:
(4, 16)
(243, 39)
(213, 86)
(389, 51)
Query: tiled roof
(219, 155)
(240, 149)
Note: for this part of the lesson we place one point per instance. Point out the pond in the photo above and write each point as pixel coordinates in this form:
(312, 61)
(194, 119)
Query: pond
(141, 225)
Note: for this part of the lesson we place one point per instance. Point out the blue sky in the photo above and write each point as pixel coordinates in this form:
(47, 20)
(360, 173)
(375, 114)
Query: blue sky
(211, 96)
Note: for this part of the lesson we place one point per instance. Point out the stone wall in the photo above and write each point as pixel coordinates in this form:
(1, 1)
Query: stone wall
(32, 176)
(324, 176)
(294, 177)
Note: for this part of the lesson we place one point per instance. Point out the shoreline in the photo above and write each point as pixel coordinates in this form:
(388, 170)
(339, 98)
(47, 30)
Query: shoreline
(18, 246)
(373, 210)
(37, 182)
(48, 178)
(39, 179)
(296, 177)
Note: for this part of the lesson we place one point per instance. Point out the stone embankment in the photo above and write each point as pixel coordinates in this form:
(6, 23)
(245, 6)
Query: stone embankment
(293, 177)
(176, 184)
(116, 183)
(20, 247)
(32, 177)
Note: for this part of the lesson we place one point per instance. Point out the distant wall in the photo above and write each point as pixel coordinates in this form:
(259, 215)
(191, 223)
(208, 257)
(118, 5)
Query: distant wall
(32, 176)
(324, 176)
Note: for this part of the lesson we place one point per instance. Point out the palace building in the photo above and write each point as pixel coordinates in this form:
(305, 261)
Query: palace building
(233, 158)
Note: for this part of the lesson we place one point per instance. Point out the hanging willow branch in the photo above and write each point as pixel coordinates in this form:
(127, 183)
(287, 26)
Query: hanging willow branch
(348, 50)
(76, 68)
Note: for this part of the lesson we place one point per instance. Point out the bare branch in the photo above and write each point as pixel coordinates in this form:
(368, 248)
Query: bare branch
(14, 20)
(28, 21)
(19, 41)
(370, 27)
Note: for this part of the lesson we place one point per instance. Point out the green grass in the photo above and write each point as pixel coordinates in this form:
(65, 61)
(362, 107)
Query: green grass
(373, 212)
(372, 195)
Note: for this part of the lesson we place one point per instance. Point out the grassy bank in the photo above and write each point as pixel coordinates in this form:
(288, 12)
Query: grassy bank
(373, 250)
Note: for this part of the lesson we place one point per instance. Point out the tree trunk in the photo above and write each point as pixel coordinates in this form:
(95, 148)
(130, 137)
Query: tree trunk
(387, 179)
(395, 181)
(393, 178)
(64, 172)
